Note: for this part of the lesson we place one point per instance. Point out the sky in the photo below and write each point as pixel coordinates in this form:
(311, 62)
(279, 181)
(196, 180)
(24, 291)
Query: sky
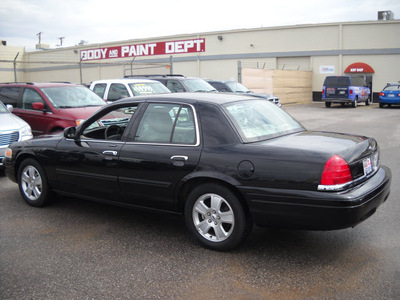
(100, 21)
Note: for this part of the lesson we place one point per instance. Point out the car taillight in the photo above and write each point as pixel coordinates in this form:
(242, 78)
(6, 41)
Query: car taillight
(381, 94)
(351, 92)
(336, 171)
(323, 91)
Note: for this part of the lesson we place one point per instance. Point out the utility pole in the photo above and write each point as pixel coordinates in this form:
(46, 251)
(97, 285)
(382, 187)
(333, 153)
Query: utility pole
(61, 40)
(40, 37)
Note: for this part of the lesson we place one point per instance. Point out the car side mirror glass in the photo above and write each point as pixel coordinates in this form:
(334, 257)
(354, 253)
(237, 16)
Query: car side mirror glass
(38, 106)
(70, 132)
(10, 108)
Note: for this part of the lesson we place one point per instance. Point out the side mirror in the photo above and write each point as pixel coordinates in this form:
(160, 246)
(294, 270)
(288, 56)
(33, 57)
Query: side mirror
(10, 108)
(38, 106)
(70, 133)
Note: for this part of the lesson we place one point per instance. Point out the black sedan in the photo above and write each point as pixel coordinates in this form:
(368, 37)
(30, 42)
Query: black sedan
(223, 161)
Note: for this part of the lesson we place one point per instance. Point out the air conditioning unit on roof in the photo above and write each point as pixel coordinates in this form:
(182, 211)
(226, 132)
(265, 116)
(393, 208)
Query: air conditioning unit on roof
(385, 15)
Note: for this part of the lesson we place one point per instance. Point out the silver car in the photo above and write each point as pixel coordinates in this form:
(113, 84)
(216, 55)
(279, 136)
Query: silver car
(12, 129)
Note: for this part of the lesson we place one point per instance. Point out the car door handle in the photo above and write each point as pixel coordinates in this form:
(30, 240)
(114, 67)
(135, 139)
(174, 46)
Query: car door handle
(110, 153)
(179, 160)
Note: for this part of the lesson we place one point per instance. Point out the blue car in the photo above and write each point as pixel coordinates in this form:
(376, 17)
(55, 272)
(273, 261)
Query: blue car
(390, 95)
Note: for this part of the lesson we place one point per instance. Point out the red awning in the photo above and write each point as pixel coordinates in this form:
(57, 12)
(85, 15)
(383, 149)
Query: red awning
(359, 67)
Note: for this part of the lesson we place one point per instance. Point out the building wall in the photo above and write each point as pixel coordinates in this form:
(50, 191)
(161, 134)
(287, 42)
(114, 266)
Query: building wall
(312, 48)
(8, 55)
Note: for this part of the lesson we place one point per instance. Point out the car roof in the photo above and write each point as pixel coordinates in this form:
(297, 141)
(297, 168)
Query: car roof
(125, 80)
(191, 98)
(39, 84)
(164, 76)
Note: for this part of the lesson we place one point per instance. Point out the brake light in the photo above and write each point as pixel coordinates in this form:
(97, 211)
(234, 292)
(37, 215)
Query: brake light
(336, 171)
(351, 92)
(323, 92)
(381, 94)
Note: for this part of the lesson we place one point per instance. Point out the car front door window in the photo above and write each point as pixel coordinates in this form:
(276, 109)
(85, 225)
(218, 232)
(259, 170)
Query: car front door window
(29, 97)
(117, 91)
(175, 86)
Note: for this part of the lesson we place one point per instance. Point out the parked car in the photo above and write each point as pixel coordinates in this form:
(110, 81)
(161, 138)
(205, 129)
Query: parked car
(345, 90)
(223, 161)
(236, 87)
(50, 107)
(12, 129)
(181, 84)
(390, 95)
(115, 89)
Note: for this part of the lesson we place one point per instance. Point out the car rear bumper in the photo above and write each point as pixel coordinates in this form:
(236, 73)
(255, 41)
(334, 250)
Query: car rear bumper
(387, 100)
(338, 100)
(316, 210)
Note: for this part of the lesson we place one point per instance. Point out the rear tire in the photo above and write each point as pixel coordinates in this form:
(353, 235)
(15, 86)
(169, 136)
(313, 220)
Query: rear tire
(32, 183)
(216, 217)
(355, 103)
(328, 104)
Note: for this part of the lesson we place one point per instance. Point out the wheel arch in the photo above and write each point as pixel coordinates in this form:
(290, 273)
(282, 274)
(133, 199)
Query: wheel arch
(228, 182)
(20, 158)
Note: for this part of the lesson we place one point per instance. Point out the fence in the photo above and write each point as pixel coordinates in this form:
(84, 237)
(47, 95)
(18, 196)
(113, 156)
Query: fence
(289, 85)
(77, 72)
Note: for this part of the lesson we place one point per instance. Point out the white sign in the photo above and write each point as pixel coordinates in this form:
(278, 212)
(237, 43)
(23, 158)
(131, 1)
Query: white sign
(326, 69)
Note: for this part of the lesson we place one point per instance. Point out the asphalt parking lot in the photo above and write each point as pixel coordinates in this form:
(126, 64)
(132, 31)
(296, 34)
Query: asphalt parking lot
(77, 249)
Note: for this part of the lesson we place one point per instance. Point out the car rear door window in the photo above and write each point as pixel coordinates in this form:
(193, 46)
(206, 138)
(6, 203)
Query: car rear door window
(10, 95)
(167, 123)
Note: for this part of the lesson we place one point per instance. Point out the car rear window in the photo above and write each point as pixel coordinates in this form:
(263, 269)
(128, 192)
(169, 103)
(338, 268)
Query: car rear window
(337, 81)
(257, 120)
(392, 88)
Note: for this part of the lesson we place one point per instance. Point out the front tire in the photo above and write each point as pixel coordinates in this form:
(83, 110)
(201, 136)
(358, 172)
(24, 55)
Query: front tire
(32, 183)
(216, 217)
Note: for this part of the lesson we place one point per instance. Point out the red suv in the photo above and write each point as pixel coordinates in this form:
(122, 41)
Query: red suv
(50, 107)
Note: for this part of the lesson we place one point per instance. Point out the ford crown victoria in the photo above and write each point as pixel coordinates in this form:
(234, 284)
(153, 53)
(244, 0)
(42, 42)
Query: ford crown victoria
(223, 161)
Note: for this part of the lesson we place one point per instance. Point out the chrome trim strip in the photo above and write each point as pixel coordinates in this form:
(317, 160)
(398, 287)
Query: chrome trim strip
(339, 187)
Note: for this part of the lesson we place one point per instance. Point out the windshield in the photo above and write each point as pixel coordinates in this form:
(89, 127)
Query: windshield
(72, 96)
(258, 120)
(237, 87)
(198, 85)
(147, 88)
